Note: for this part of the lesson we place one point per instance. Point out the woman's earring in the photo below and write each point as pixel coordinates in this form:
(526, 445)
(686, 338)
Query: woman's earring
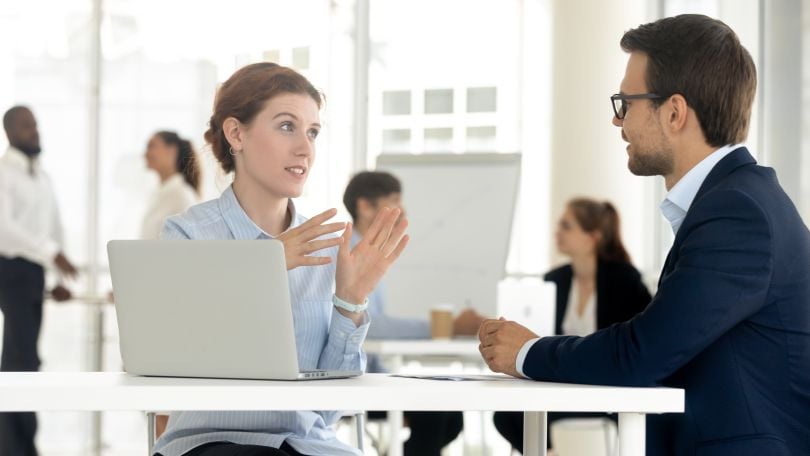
(230, 151)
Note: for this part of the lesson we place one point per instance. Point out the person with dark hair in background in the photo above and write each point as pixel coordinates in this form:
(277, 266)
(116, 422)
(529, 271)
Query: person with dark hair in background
(174, 161)
(730, 322)
(598, 288)
(366, 194)
(263, 129)
(30, 242)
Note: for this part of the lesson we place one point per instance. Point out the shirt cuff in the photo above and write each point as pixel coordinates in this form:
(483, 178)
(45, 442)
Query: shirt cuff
(345, 335)
(521, 357)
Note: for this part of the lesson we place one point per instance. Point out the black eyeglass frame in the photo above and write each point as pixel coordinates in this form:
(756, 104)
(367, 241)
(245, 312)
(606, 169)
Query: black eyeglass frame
(622, 98)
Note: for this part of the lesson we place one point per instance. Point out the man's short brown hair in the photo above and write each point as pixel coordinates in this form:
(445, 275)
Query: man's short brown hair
(701, 59)
(369, 185)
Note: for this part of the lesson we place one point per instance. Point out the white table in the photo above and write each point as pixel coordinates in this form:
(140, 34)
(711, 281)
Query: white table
(114, 391)
(396, 352)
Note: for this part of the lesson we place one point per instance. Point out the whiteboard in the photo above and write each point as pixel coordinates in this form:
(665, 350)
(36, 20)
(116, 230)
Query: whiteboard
(460, 210)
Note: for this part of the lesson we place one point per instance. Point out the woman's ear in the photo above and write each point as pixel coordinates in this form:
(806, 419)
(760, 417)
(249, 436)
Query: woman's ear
(232, 128)
(597, 238)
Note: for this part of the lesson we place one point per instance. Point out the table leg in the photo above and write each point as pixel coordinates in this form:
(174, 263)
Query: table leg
(150, 432)
(632, 434)
(534, 433)
(395, 416)
(395, 423)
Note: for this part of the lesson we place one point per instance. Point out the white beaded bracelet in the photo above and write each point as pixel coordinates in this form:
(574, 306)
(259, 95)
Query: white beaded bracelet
(350, 307)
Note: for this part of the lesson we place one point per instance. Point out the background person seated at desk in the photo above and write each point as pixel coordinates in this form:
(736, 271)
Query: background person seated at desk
(366, 194)
(174, 161)
(263, 128)
(730, 322)
(598, 288)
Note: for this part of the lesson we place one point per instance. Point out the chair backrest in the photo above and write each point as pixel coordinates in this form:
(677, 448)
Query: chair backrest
(584, 436)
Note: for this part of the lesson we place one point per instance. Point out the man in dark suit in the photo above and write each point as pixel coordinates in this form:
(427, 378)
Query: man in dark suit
(730, 322)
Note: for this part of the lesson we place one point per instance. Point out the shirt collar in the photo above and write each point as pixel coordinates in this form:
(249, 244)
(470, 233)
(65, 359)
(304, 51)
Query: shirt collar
(176, 180)
(17, 158)
(677, 202)
(238, 221)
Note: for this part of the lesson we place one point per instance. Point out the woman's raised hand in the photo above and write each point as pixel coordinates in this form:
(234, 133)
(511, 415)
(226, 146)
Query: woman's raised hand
(301, 241)
(361, 268)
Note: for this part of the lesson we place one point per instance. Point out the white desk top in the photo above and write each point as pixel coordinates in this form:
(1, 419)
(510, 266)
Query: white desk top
(465, 347)
(89, 391)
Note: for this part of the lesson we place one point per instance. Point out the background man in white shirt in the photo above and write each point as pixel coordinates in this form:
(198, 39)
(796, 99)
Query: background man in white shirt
(30, 241)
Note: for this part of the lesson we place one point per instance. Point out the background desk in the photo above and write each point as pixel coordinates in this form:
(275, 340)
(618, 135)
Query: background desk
(396, 352)
(94, 391)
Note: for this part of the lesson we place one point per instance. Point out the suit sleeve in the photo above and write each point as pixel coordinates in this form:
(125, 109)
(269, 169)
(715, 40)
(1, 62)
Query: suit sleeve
(720, 278)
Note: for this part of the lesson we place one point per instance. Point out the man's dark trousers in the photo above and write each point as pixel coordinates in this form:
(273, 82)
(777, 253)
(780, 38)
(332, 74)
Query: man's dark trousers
(21, 289)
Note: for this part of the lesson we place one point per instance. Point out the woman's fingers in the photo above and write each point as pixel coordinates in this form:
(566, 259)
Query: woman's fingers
(318, 231)
(395, 238)
(314, 246)
(398, 250)
(313, 260)
(314, 223)
(373, 232)
(346, 239)
(320, 218)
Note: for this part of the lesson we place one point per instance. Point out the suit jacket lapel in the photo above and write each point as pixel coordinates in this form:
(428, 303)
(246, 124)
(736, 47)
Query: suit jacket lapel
(739, 157)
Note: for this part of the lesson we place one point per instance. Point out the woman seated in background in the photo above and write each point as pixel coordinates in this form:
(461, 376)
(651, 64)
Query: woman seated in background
(174, 161)
(598, 288)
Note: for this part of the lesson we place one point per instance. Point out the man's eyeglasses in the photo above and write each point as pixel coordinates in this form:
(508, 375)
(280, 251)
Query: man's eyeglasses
(619, 101)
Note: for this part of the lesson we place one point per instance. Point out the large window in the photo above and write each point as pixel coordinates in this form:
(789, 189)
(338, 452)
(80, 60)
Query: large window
(161, 63)
(448, 77)
(45, 55)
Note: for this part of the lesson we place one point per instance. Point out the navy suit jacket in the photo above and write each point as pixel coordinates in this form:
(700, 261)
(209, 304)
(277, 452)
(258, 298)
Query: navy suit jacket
(730, 323)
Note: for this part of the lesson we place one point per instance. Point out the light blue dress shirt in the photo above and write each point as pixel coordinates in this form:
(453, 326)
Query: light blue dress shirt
(325, 340)
(681, 195)
(674, 208)
(387, 326)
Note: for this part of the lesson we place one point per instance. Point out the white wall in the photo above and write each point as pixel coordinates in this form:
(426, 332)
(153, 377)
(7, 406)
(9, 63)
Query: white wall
(588, 154)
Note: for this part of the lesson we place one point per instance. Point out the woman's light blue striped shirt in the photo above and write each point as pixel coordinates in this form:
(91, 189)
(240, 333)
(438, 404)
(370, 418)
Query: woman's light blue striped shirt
(325, 340)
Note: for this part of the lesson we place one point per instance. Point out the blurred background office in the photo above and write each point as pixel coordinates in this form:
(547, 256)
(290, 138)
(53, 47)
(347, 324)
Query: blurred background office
(415, 77)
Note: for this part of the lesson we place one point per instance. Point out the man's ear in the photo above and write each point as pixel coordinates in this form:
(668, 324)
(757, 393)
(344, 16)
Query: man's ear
(232, 128)
(365, 209)
(675, 112)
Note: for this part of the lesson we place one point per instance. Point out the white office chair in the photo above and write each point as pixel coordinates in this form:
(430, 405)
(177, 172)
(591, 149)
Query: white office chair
(151, 421)
(584, 437)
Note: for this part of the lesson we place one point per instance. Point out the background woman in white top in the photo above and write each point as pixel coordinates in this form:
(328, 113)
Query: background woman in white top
(174, 161)
(598, 288)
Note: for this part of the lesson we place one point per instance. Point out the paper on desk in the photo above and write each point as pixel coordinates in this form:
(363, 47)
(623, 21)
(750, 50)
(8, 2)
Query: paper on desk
(457, 378)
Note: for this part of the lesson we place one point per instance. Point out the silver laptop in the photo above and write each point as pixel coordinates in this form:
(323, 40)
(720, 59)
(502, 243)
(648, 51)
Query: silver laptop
(215, 309)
